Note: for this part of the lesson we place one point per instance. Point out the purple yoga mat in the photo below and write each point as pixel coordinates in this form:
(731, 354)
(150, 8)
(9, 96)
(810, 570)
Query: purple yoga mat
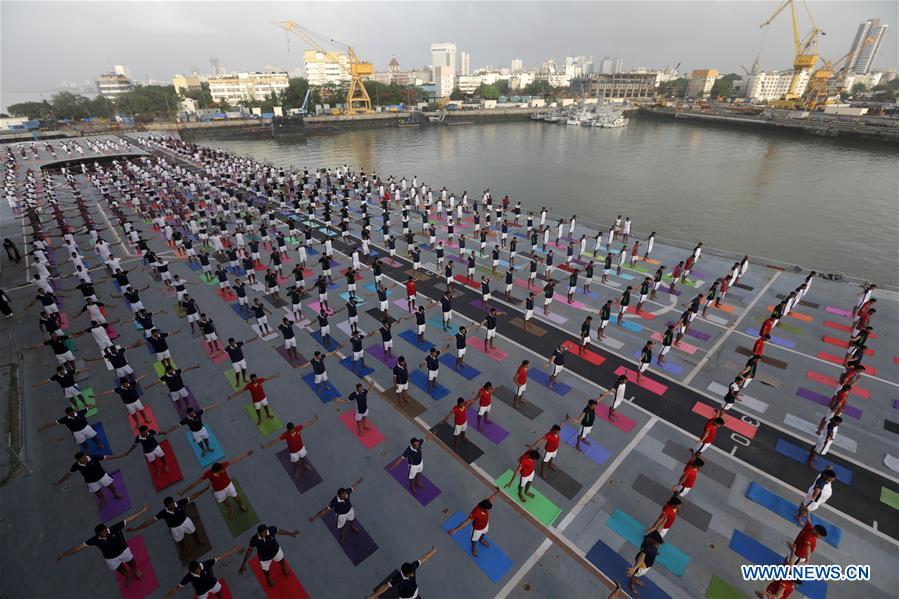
(427, 491)
(307, 479)
(480, 306)
(494, 432)
(191, 402)
(294, 362)
(824, 401)
(114, 507)
(378, 352)
(357, 546)
(697, 334)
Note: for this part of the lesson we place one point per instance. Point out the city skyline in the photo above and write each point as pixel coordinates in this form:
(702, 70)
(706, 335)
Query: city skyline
(241, 37)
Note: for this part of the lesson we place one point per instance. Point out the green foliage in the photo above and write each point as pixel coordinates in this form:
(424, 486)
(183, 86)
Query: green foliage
(387, 94)
(33, 110)
(675, 87)
(725, 86)
(149, 102)
(456, 94)
(202, 97)
(503, 86)
(540, 87)
(488, 91)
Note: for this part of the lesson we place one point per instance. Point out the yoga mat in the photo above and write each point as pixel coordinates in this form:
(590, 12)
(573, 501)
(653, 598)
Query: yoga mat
(332, 343)
(779, 364)
(621, 422)
(369, 438)
(286, 587)
(437, 323)
(755, 552)
(315, 306)
(328, 392)
(660, 494)
(466, 450)
(492, 431)
(308, 478)
(529, 410)
(426, 492)
(631, 326)
(735, 424)
(889, 497)
(774, 338)
(628, 527)
(682, 346)
(541, 508)
(744, 400)
(410, 337)
(412, 408)
(869, 370)
(667, 366)
(356, 546)
(844, 344)
(613, 565)
(477, 344)
(720, 474)
(420, 380)
(244, 313)
(559, 480)
(235, 383)
(590, 448)
(551, 316)
(215, 356)
(645, 382)
(357, 369)
(150, 416)
(99, 445)
(492, 560)
(800, 454)
(890, 426)
(840, 327)
(297, 362)
(269, 425)
(272, 334)
(538, 376)
(379, 316)
(824, 400)
(533, 329)
(834, 383)
(165, 479)
(160, 369)
(113, 507)
(719, 589)
(138, 589)
(585, 354)
(377, 352)
(838, 311)
(787, 510)
(242, 521)
(465, 371)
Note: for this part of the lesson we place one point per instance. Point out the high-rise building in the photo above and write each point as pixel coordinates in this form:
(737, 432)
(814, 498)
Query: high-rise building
(112, 85)
(517, 65)
(605, 65)
(443, 55)
(865, 47)
(772, 85)
(549, 66)
(701, 83)
(617, 65)
(186, 83)
(444, 80)
(464, 66)
(323, 68)
(122, 70)
(240, 87)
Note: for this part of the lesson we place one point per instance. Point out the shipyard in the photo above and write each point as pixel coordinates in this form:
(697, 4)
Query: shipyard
(576, 329)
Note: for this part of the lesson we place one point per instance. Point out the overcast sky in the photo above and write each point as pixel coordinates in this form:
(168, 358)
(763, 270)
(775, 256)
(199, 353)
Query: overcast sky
(44, 43)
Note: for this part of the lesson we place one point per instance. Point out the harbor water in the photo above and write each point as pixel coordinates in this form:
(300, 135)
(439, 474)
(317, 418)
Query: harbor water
(817, 202)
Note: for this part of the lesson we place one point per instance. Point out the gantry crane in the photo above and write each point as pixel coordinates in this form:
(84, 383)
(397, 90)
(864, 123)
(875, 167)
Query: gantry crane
(357, 99)
(805, 55)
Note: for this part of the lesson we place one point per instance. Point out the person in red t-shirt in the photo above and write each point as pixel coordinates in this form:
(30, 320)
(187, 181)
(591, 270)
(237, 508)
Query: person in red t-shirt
(257, 395)
(688, 477)
(480, 523)
(802, 548)
(526, 469)
(411, 290)
(222, 487)
(837, 405)
(550, 445)
(708, 433)
(521, 382)
(667, 517)
(759, 348)
(766, 327)
(485, 402)
(296, 450)
(459, 414)
(779, 589)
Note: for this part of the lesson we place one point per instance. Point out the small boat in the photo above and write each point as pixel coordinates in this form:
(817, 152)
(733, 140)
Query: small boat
(615, 123)
(552, 117)
(538, 116)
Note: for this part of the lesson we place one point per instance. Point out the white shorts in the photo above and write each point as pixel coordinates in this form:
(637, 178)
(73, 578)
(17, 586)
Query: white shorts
(181, 393)
(156, 453)
(199, 435)
(526, 479)
(352, 287)
(484, 409)
(585, 430)
(447, 316)
(361, 416)
(66, 357)
(521, 389)
(137, 306)
(665, 350)
(342, 519)
(528, 314)
(210, 337)
(228, 491)
(185, 528)
(644, 366)
(84, 434)
(400, 387)
(477, 534)
(640, 572)
(700, 447)
(260, 404)
(325, 330)
(557, 370)
(126, 369)
(297, 455)
(432, 375)
(382, 306)
(193, 317)
(238, 366)
(486, 297)
(103, 482)
(163, 355)
(319, 378)
(122, 558)
(491, 333)
(421, 329)
(288, 343)
(415, 470)
(683, 490)
(549, 455)
(266, 564)
(213, 591)
(822, 447)
(411, 298)
(71, 392)
(353, 320)
(134, 406)
(51, 309)
(547, 301)
(387, 344)
(460, 428)
(460, 352)
(642, 299)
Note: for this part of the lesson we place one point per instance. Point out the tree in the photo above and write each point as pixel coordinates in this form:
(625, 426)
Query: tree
(540, 87)
(675, 87)
(859, 88)
(201, 96)
(293, 96)
(33, 110)
(725, 86)
(456, 94)
(503, 86)
(487, 91)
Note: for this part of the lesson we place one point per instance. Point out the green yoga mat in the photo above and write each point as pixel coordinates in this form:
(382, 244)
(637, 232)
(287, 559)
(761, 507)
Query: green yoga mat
(232, 380)
(719, 589)
(538, 506)
(211, 282)
(88, 394)
(160, 369)
(889, 497)
(242, 521)
(790, 328)
(269, 425)
(70, 344)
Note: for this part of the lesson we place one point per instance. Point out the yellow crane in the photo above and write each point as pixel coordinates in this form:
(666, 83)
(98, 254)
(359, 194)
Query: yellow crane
(805, 49)
(357, 99)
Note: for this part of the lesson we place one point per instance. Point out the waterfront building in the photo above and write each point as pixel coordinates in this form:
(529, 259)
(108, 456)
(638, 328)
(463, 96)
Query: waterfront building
(765, 86)
(246, 87)
(701, 83)
(869, 80)
(521, 80)
(323, 68)
(186, 83)
(464, 60)
(468, 83)
(113, 85)
(444, 80)
(443, 54)
(865, 46)
(381, 77)
(622, 86)
(555, 79)
(122, 70)
(517, 65)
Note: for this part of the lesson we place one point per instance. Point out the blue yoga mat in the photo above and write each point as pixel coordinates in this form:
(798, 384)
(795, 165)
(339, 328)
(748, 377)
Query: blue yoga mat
(318, 337)
(492, 560)
(99, 445)
(774, 339)
(800, 454)
(757, 553)
(787, 510)
(420, 380)
(614, 566)
(218, 452)
(668, 365)
(670, 557)
(631, 326)
(437, 323)
(412, 338)
(329, 392)
(246, 314)
(594, 451)
(541, 377)
(345, 296)
(359, 370)
(370, 287)
(469, 372)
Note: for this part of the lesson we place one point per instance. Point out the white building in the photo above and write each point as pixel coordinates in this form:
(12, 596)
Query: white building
(324, 68)
(772, 85)
(246, 87)
(517, 65)
(865, 46)
(869, 80)
(443, 55)
(122, 70)
(521, 80)
(112, 85)
(468, 83)
(555, 79)
(444, 81)
(464, 66)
